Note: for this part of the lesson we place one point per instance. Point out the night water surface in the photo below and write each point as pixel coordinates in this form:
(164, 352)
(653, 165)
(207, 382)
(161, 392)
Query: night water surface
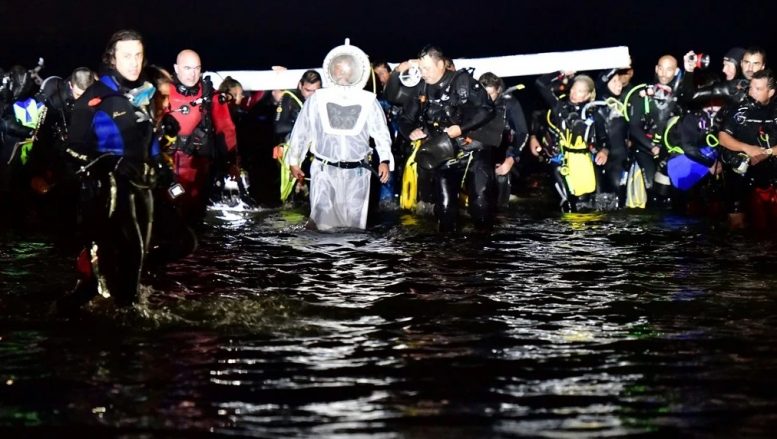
(554, 325)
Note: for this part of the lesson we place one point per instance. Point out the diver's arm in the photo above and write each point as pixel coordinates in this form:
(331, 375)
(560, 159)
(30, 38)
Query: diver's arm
(732, 144)
(378, 130)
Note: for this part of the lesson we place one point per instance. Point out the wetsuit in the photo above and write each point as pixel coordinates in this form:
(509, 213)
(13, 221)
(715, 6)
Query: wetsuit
(567, 119)
(612, 122)
(753, 124)
(206, 129)
(457, 99)
(515, 134)
(286, 114)
(113, 139)
(649, 109)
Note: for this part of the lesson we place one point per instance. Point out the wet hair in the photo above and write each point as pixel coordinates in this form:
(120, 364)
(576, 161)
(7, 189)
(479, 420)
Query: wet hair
(755, 50)
(122, 35)
(489, 79)
(768, 75)
(228, 84)
(432, 52)
(310, 77)
(82, 77)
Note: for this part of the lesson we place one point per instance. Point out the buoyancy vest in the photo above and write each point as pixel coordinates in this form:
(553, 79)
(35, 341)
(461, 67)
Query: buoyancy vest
(191, 107)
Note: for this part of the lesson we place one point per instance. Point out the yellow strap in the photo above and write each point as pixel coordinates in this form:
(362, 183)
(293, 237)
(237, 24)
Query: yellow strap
(627, 100)
(671, 148)
(293, 96)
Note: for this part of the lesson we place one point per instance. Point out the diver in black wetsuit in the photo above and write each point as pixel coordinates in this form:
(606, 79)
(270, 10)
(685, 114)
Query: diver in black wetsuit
(748, 134)
(613, 123)
(509, 114)
(112, 136)
(450, 106)
(739, 65)
(649, 108)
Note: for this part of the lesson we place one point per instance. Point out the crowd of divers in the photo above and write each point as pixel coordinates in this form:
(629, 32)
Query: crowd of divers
(689, 140)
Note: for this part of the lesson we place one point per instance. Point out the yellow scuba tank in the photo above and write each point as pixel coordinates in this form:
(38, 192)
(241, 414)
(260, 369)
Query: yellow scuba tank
(578, 169)
(408, 198)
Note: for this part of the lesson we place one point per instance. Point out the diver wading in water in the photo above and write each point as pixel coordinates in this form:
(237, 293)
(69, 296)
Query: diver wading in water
(112, 137)
(449, 107)
(335, 125)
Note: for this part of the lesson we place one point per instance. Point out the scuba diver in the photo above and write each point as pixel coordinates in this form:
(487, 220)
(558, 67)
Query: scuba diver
(335, 126)
(205, 127)
(51, 170)
(577, 137)
(610, 185)
(693, 157)
(378, 83)
(449, 107)
(649, 108)
(112, 137)
(416, 190)
(227, 190)
(20, 118)
(748, 134)
(289, 104)
(734, 86)
(508, 113)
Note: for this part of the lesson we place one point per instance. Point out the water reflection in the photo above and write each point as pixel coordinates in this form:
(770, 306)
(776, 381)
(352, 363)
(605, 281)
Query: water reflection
(554, 325)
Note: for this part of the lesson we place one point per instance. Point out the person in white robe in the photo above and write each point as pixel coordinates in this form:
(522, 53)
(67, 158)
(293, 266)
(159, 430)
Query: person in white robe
(335, 125)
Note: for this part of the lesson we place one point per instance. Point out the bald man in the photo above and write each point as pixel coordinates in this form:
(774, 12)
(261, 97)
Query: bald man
(206, 132)
(650, 106)
(188, 68)
(666, 69)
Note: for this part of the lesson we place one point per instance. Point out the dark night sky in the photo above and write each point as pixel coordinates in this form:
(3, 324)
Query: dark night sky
(257, 34)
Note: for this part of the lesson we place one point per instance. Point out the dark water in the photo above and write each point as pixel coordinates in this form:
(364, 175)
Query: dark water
(558, 326)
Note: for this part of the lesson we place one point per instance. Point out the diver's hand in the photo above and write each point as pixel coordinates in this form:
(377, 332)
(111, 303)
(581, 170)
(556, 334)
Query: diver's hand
(757, 155)
(534, 146)
(504, 167)
(297, 173)
(453, 131)
(405, 66)
(383, 172)
(601, 157)
(417, 133)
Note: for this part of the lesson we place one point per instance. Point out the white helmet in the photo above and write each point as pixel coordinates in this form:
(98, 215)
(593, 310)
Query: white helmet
(346, 67)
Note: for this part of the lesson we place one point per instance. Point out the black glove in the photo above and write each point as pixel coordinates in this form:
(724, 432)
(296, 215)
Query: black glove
(169, 125)
(168, 130)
